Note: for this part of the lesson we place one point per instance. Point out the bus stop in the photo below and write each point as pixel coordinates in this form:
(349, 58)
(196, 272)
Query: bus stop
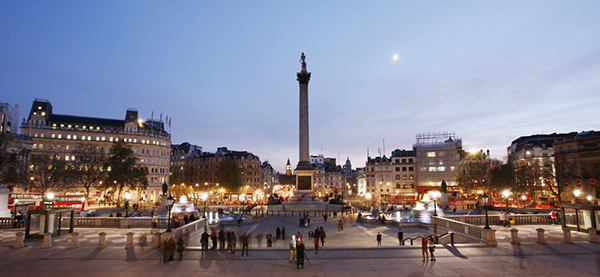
(54, 220)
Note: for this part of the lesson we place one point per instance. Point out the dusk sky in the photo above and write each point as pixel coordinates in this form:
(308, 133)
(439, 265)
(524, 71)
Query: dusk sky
(225, 71)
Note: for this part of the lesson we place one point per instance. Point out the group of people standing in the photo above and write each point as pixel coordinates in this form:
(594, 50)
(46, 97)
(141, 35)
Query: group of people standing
(318, 236)
(297, 250)
(169, 246)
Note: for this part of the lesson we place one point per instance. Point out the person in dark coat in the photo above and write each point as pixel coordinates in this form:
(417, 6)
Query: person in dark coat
(269, 240)
(322, 235)
(222, 238)
(378, 239)
(316, 237)
(204, 240)
(213, 238)
(232, 241)
(180, 247)
(244, 239)
(278, 233)
(165, 251)
(282, 232)
(300, 254)
(171, 248)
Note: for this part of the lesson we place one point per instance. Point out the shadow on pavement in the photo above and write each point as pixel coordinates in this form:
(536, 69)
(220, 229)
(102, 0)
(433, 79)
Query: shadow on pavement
(455, 252)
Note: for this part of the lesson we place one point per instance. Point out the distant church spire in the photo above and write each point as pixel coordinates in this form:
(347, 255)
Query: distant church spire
(288, 168)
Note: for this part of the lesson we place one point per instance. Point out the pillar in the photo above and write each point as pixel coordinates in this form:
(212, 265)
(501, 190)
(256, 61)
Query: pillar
(47, 240)
(129, 243)
(514, 234)
(101, 240)
(540, 235)
(19, 240)
(593, 235)
(74, 240)
(567, 235)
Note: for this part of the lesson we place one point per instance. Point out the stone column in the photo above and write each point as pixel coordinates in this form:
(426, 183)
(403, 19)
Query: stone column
(540, 235)
(47, 240)
(157, 240)
(74, 240)
(514, 234)
(129, 243)
(567, 235)
(593, 235)
(101, 240)
(19, 240)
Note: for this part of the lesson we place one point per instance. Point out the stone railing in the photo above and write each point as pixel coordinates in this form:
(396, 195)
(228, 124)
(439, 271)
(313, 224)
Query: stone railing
(115, 222)
(6, 222)
(469, 231)
(495, 219)
(191, 228)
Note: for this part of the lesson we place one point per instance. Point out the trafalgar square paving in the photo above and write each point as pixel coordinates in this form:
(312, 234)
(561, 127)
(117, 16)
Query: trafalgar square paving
(351, 252)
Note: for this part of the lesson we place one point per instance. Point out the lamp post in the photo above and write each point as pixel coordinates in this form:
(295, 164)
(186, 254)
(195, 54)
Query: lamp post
(127, 197)
(434, 206)
(486, 200)
(170, 201)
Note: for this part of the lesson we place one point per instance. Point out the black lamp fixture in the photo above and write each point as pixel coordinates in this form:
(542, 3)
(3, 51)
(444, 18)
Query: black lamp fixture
(485, 198)
(170, 201)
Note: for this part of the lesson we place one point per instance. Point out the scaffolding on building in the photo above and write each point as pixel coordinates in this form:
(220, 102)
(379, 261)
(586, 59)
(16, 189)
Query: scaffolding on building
(435, 138)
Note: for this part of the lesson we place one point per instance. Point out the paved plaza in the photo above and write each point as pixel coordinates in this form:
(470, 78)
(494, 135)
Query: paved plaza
(351, 252)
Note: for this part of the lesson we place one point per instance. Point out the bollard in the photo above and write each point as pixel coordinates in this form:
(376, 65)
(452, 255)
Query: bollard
(101, 240)
(157, 240)
(540, 235)
(19, 241)
(277, 213)
(47, 240)
(451, 238)
(567, 235)
(593, 235)
(129, 243)
(74, 240)
(514, 234)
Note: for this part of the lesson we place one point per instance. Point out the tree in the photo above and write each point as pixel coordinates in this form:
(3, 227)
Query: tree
(123, 172)
(476, 176)
(228, 175)
(559, 179)
(48, 173)
(13, 161)
(88, 167)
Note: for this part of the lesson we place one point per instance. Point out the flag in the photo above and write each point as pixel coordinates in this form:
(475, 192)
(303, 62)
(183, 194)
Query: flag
(152, 117)
(592, 182)
(170, 122)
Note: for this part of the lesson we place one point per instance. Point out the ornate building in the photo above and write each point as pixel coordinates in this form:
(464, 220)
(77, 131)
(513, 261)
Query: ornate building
(59, 135)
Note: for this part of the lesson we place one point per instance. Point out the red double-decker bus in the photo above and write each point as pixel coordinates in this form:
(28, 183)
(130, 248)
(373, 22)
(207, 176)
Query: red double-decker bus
(24, 201)
(76, 202)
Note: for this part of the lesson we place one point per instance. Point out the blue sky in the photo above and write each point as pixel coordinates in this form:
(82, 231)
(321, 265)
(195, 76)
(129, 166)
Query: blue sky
(224, 71)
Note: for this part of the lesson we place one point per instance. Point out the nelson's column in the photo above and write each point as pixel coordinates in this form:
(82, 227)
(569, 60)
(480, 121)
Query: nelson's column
(304, 170)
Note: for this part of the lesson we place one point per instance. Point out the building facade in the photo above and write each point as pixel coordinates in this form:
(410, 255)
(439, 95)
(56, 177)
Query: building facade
(438, 156)
(60, 134)
(9, 118)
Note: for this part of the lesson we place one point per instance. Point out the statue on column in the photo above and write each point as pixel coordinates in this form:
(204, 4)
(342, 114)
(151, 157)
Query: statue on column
(303, 62)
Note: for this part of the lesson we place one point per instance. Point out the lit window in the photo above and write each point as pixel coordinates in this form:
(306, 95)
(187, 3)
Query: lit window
(111, 139)
(89, 137)
(74, 136)
(68, 136)
(41, 146)
(430, 154)
(34, 146)
(67, 158)
(103, 138)
(59, 136)
(97, 138)
(53, 136)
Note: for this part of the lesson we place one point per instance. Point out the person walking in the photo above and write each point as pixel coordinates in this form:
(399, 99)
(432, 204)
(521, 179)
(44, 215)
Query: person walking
(232, 241)
(400, 236)
(278, 233)
(300, 254)
(424, 250)
(431, 250)
(322, 235)
(325, 217)
(222, 238)
(228, 238)
(282, 232)
(171, 248)
(316, 237)
(204, 240)
(180, 247)
(553, 217)
(244, 240)
(292, 244)
(378, 239)
(165, 251)
(259, 238)
(269, 240)
(213, 238)
(154, 222)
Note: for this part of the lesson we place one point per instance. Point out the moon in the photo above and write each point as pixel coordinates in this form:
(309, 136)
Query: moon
(395, 57)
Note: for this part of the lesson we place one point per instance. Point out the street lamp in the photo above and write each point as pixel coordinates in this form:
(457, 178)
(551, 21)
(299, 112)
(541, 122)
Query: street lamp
(486, 200)
(127, 197)
(170, 201)
(434, 206)
(506, 193)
